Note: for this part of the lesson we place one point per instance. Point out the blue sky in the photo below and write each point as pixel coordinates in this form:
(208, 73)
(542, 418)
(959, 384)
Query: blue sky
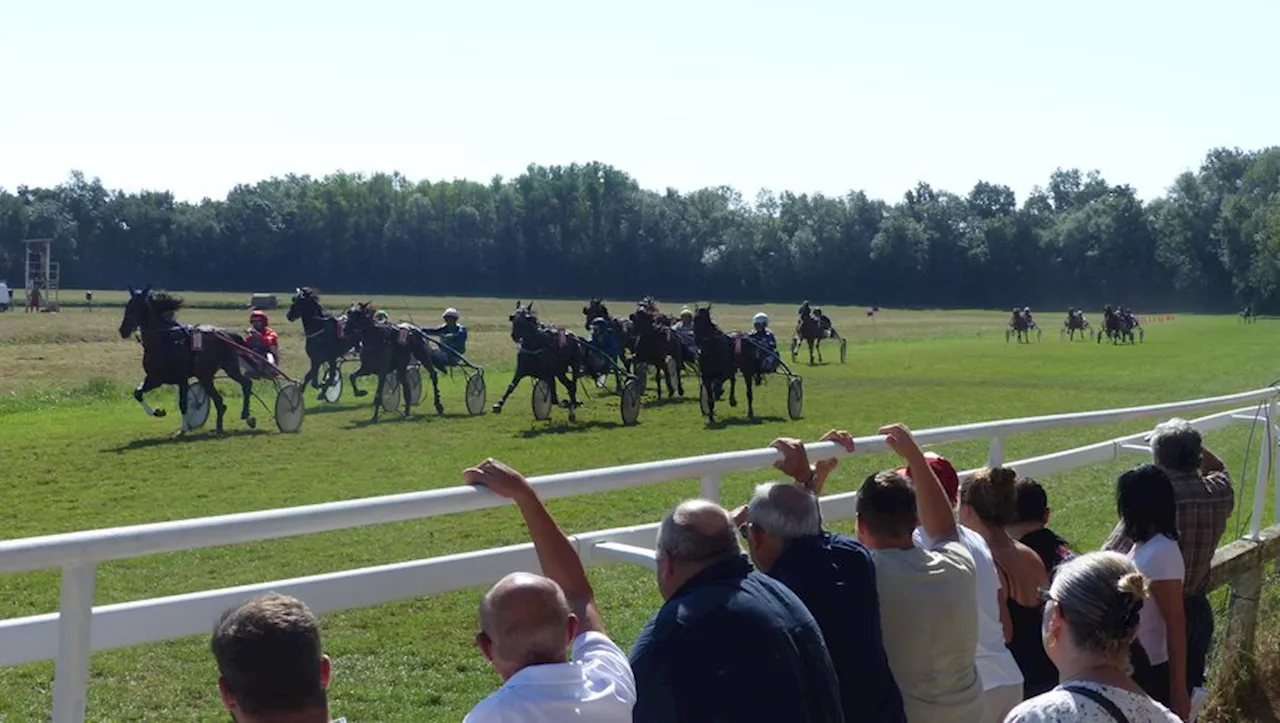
(822, 96)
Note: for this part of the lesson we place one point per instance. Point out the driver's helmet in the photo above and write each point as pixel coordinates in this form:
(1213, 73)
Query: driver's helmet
(686, 313)
(450, 313)
(258, 314)
(380, 315)
(1026, 309)
(599, 323)
(817, 311)
(760, 318)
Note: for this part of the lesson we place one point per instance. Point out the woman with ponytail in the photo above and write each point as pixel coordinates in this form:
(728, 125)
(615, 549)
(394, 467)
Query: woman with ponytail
(1091, 618)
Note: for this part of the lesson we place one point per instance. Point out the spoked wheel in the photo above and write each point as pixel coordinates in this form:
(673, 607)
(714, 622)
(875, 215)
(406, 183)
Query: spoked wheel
(413, 385)
(332, 389)
(197, 407)
(475, 394)
(704, 399)
(630, 403)
(795, 398)
(541, 400)
(290, 410)
(390, 400)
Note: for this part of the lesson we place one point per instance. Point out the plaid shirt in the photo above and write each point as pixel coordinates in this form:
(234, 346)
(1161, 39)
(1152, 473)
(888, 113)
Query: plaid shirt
(1203, 505)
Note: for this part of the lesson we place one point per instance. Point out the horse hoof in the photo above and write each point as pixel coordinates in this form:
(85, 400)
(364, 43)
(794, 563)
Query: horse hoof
(180, 434)
(440, 409)
(497, 409)
(361, 392)
(253, 423)
(158, 413)
(733, 402)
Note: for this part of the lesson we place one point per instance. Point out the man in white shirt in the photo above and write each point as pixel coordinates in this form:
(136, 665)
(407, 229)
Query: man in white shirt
(527, 621)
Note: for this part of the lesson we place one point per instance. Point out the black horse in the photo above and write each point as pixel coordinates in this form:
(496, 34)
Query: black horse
(654, 345)
(1117, 326)
(596, 309)
(720, 358)
(327, 339)
(546, 354)
(387, 348)
(173, 353)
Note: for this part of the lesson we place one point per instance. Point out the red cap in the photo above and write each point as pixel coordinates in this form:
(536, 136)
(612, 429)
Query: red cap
(258, 314)
(945, 472)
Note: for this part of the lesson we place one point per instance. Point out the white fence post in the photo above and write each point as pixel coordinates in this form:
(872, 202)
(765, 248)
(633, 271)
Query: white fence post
(1273, 440)
(75, 617)
(710, 489)
(1264, 471)
(995, 453)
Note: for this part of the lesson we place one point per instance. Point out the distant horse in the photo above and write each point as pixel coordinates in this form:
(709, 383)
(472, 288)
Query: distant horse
(721, 358)
(655, 345)
(545, 354)
(1020, 326)
(1117, 327)
(1247, 316)
(1074, 322)
(650, 304)
(387, 348)
(173, 353)
(809, 330)
(327, 339)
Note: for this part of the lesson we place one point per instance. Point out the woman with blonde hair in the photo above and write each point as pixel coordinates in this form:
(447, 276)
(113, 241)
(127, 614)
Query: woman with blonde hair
(1090, 620)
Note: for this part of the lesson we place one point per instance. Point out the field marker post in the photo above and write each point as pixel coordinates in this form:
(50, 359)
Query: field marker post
(1264, 470)
(75, 617)
(995, 453)
(710, 489)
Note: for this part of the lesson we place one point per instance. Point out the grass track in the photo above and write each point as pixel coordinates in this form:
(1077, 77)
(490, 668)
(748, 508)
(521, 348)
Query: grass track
(78, 454)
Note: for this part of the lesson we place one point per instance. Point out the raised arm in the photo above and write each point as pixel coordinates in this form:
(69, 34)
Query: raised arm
(556, 554)
(932, 505)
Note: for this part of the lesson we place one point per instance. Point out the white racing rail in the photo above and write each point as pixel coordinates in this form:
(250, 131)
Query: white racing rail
(69, 635)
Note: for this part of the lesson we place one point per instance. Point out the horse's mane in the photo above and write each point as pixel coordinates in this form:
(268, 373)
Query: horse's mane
(163, 302)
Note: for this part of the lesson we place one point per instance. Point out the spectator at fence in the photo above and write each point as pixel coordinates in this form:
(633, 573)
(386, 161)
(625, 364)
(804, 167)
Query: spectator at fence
(729, 643)
(1029, 528)
(1204, 499)
(1145, 501)
(1092, 611)
(1001, 678)
(271, 666)
(988, 502)
(928, 611)
(527, 621)
(832, 574)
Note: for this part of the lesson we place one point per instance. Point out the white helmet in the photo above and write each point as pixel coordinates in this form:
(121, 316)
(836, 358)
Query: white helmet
(449, 312)
(686, 311)
(761, 318)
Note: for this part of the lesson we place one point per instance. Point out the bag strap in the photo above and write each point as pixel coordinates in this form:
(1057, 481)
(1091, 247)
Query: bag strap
(1107, 704)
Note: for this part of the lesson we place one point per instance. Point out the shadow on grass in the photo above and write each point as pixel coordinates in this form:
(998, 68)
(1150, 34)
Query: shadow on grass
(188, 438)
(666, 401)
(568, 428)
(726, 422)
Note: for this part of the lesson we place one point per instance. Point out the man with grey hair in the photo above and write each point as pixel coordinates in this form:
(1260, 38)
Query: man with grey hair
(831, 573)
(729, 643)
(527, 621)
(1204, 500)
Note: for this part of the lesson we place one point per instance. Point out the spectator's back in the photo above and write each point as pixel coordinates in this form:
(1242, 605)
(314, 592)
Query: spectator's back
(729, 644)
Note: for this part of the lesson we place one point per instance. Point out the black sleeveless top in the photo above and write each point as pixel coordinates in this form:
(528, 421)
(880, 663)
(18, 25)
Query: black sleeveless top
(1027, 644)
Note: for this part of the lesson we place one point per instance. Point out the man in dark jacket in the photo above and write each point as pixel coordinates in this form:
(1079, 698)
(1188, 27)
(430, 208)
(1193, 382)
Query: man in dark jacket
(730, 644)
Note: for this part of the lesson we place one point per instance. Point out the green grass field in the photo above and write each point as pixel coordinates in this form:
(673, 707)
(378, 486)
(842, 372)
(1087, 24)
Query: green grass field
(78, 453)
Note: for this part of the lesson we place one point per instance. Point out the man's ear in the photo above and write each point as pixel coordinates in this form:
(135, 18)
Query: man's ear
(574, 627)
(1046, 515)
(326, 671)
(485, 645)
(224, 690)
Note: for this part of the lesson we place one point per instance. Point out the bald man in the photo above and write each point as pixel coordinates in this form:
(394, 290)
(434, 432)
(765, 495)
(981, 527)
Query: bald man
(729, 644)
(528, 621)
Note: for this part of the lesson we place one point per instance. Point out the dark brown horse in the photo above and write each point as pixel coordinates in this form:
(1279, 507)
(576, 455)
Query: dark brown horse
(174, 354)
(386, 348)
(721, 357)
(808, 330)
(544, 353)
(327, 338)
(659, 347)
(596, 309)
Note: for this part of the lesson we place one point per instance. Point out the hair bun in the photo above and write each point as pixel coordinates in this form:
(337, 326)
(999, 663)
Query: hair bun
(1121, 617)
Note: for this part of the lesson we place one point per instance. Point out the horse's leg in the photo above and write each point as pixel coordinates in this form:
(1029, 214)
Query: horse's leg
(211, 391)
(312, 376)
(811, 352)
(360, 373)
(377, 397)
(515, 379)
(818, 345)
(733, 388)
(402, 376)
(569, 387)
(232, 370)
(423, 355)
(143, 387)
(751, 408)
(182, 406)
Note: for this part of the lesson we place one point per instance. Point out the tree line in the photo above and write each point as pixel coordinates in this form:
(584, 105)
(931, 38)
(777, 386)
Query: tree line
(1212, 242)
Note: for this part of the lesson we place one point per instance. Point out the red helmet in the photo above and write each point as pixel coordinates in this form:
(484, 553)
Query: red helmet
(259, 314)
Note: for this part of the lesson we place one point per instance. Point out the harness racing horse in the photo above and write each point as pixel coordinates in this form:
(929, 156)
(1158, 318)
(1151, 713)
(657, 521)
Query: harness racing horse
(808, 330)
(1247, 316)
(1117, 327)
(387, 348)
(1020, 326)
(596, 309)
(546, 354)
(327, 339)
(1075, 321)
(721, 358)
(173, 353)
(660, 347)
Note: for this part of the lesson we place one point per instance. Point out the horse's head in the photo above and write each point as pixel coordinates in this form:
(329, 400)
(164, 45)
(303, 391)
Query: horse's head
(305, 303)
(595, 308)
(360, 316)
(137, 311)
(524, 322)
(641, 321)
(703, 326)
